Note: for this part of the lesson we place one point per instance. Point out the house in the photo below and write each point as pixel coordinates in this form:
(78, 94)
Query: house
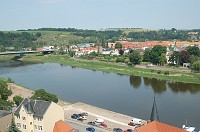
(5, 120)
(37, 115)
(106, 51)
(61, 126)
(157, 126)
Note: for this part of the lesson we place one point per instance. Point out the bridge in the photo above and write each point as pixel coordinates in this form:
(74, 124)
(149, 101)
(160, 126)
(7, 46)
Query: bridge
(27, 52)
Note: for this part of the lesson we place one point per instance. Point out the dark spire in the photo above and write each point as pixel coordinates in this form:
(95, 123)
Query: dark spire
(154, 112)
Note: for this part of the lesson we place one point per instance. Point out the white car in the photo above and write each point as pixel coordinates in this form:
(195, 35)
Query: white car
(99, 120)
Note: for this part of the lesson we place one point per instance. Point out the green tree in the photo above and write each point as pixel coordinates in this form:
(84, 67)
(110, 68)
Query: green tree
(41, 94)
(156, 52)
(193, 50)
(4, 91)
(146, 57)
(163, 59)
(175, 58)
(135, 57)
(118, 45)
(71, 53)
(5, 105)
(196, 66)
(12, 127)
(17, 100)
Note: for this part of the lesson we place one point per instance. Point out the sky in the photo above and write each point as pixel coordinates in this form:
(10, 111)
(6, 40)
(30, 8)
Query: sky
(99, 14)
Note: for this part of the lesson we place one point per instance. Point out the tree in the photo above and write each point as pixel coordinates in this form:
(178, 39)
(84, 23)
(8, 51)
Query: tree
(41, 94)
(184, 58)
(5, 105)
(156, 52)
(118, 45)
(193, 50)
(4, 91)
(175, 58)
(162, 59)
(121, 52)
(196, 66)
(12, 127)
(38, 34)
(17, 100)
(135, 57)
(146, 57)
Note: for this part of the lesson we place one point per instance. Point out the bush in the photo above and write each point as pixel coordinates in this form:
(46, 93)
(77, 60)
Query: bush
(17, 100)
(10, 80)
(158, 72)
(41, 94)
(166, 72)
(120, 59)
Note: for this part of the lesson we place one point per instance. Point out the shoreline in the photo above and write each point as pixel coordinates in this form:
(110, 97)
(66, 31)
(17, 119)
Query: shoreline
(27, 93)
(162, 73)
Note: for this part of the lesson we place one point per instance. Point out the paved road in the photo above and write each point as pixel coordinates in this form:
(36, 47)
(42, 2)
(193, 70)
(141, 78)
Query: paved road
(82, 127)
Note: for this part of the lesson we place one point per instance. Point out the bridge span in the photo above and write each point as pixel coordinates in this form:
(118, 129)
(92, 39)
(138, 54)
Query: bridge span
(27, 52)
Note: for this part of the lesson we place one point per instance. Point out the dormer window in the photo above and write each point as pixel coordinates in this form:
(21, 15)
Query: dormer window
(39, 119)
(18, 116)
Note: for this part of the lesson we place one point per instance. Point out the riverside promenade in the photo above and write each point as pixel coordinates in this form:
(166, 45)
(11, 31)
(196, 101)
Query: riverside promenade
(112, 119)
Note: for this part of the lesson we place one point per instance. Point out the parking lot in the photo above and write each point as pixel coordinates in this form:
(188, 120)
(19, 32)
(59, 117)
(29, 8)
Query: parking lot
(111, 119)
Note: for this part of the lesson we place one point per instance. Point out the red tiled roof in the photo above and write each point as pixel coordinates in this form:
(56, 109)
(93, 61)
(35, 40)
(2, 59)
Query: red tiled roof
(156, 126)
(61, 126)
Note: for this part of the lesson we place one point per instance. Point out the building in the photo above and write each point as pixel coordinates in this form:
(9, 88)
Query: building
(37, 115)
(156, 126)
(61, 126)
(5, 120)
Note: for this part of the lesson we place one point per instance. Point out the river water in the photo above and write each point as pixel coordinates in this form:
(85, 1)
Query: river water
(130, 95)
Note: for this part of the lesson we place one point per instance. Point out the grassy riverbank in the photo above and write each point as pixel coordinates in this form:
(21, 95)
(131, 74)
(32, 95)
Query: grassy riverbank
(116, 68)
(110, 67)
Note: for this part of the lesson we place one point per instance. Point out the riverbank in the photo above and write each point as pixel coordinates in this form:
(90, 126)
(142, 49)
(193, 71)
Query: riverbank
(162, 73)
(179, 76)
(27, 93)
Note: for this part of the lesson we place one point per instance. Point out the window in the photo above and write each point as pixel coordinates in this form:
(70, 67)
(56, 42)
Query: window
(18, 125)
(24, 118)
(24, 126)
(35, 127)
(31, 123)
(39, 119)
(18, 116)
(39, 127)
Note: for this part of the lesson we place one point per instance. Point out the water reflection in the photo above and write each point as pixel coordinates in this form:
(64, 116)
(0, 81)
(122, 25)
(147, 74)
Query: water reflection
(135, 81)
(178, 87)
(160, 86)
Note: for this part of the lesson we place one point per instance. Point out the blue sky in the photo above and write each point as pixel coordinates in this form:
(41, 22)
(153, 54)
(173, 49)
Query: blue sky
(97, 14)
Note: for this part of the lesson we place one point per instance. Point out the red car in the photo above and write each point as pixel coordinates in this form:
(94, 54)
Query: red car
(131, 124)
(103, 124)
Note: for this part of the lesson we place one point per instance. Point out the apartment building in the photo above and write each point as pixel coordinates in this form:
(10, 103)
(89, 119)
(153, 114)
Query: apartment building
(37, 115)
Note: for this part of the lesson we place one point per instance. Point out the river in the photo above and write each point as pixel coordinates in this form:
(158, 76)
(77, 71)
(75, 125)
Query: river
(130, 95)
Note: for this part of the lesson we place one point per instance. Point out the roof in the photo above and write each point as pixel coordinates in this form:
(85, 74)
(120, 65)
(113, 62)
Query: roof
(4, 113)
(35, 107)
(61, 126)
(156, 126)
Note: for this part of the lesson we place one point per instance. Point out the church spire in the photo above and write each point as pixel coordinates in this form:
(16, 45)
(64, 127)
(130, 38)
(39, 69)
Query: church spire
(154, 112)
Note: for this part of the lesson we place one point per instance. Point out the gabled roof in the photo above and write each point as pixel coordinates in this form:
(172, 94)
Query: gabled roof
(156, 126)
(61, 126)
(4, 113)
(35, 107)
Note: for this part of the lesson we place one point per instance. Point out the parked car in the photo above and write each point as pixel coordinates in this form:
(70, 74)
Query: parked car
(117, 130)
(75, 116)
(99, 120)
(131, 124)
(82, 117)
(83, 114)
(103, 124)
(91, 129)
(128, 130)
(91, 123)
